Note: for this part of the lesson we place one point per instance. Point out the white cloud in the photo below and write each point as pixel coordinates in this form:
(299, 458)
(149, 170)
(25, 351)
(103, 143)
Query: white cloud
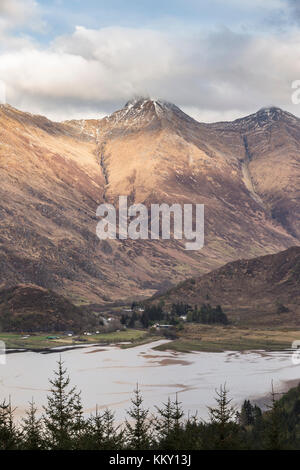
(216, 76)
(14, 13)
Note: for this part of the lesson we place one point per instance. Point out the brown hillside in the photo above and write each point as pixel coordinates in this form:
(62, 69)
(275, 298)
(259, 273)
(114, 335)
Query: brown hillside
(54, 175)
(259, 291)
(33, 308)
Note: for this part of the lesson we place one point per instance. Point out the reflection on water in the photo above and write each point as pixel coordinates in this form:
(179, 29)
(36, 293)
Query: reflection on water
(107, 376)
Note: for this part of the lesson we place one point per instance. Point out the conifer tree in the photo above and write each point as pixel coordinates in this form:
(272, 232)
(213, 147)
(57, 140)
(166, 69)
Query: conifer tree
(63, 412)
(137, 427)
(101, 433)
(177, 417)
(9, 436)
(222, 421)
(246, 415)
(275, 428)
(92, 438)
(168, 424)
(112, 435)
(32, 429)
(78, 420)
(192, 436)
(164, 422)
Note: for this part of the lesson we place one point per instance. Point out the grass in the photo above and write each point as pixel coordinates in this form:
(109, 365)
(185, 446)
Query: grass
(35, 341)
(39, 341)
(217, 338)
(194, 337)
(117, 336)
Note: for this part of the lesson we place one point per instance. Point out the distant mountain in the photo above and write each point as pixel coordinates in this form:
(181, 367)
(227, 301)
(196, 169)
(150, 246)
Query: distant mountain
(54, 175)
(259, 291)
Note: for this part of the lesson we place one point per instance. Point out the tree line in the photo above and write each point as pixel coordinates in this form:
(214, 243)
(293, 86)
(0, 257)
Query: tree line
(152, 314)
(64, 427)
(207, 315)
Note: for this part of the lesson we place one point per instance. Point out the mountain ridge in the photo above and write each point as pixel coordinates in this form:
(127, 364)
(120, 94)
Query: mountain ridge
(54, 175)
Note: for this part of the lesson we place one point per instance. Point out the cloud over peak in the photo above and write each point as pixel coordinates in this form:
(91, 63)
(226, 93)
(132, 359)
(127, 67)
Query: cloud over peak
(213, 74)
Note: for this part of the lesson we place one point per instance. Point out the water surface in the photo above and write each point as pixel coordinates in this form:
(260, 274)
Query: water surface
(107, 375)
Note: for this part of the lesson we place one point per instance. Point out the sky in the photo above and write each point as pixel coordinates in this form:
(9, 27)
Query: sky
(217, 60)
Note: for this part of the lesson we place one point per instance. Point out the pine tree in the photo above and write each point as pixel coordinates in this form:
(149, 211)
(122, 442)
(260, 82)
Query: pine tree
(246, 416)
(257, 433)
(101, 433)
(63, 413)
(190, 436)
(275, 429)
(164, 422)
(177, 417)
(9, 435)
(223, 422)
(32, 429)
(168, 424)
(92, 438)
(78, 420)
(112, 436)
(137, 429)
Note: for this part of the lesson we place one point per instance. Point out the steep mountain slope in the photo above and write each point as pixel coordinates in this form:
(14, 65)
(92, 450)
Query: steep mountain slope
(153, 152)
(259, 291)
(271, 162)
(54, 175)
(50, 185)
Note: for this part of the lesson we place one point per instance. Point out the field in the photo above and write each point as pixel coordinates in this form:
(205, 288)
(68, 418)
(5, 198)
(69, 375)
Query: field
(196, 337)
(41, 341)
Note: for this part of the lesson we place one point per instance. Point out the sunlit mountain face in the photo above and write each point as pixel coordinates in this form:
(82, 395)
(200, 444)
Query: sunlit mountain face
(54, 175)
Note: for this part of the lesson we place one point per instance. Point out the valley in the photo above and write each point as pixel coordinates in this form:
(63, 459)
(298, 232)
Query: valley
(56, 275)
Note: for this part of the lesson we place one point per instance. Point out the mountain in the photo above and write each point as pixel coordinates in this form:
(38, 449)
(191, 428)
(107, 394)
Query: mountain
(259, 291)
(33, 308)
(54, 175)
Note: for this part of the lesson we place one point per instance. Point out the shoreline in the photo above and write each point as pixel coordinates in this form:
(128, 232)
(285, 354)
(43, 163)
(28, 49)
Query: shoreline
(41, 341)
(265, 400)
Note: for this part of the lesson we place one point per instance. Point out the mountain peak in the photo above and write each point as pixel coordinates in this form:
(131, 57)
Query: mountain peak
(264, 117)
(145, 110)
(146, 102)
(271, 113)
